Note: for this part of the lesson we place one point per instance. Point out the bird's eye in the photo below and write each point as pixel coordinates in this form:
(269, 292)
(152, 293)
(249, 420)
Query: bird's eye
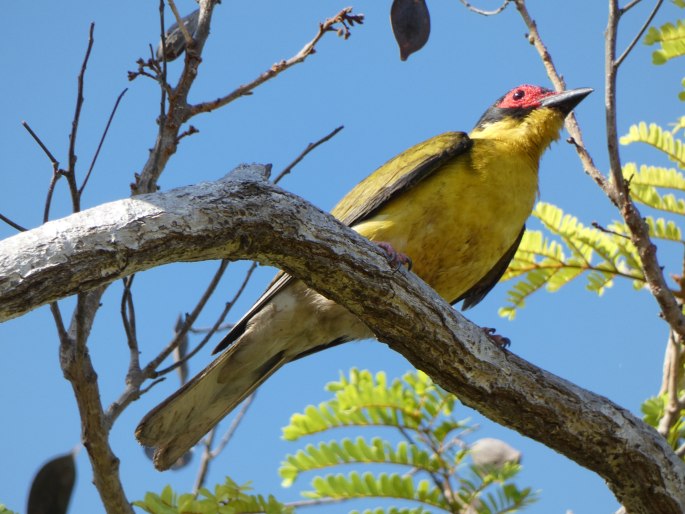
(518, 94)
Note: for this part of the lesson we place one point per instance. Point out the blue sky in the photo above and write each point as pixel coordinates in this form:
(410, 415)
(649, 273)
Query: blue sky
(612, 345)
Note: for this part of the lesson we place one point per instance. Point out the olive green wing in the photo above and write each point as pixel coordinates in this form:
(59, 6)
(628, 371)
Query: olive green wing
(485, 284)
(387, 182)
(398, 175)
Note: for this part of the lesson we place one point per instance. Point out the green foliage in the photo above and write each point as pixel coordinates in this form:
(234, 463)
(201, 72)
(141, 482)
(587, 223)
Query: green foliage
(654, 409)
(5, 510)
(661, 139)
(670, 37)
(574, 250)
(431, 460)
(228, 498)
(570, 249)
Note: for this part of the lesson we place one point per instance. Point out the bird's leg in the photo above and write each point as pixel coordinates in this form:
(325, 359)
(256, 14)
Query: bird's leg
(395, 258)
(501, 341)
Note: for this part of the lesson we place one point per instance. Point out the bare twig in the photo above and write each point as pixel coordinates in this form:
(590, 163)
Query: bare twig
(211, 332)
(483, 12)
(56, 172)
(559, 84)
(181, 25)
(208, 455)
(637, 37)
(599, 227)
(70, 173)
(12, 223)
(128, 316)
(312, 503)
(304, 153)
(342, 19)
(149, 370)
(234, 425)
(629, 6)
(672, 373)
(102, 140)
(173, 116)
(53, 161)
(59, 322)
(189, 132)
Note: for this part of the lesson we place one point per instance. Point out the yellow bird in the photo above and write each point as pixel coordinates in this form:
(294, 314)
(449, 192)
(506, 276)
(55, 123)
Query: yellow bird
(455, 204)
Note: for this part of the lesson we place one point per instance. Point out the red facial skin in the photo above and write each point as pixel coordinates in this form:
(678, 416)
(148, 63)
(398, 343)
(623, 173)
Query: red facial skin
(524, 97)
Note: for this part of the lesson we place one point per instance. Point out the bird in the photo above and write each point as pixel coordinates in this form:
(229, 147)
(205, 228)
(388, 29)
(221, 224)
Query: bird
(455, 205)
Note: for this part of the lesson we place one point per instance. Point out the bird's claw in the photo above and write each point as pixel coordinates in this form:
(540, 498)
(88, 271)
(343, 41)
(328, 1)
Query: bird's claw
(501, 341)
(395, 258)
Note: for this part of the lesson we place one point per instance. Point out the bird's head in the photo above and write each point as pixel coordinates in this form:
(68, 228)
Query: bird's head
(531, 116)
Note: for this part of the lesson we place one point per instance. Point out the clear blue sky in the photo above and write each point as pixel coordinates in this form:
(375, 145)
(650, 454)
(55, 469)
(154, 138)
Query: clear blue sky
(611, 345)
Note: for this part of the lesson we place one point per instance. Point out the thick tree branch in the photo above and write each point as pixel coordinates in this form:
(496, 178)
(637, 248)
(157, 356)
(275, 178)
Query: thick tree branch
(244, 216)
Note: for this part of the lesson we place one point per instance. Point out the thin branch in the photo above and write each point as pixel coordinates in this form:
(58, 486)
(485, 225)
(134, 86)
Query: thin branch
(559, 84)
(172, 119)
(207, 442)
(629, 6)
(56, 172)
(313, 503)
(128, 316)
(234, 425)
(304, 153)
(53, 161)
(208, 455)
(483, 12)
(102, 140)
(680, 452)
(59, 322)
(71, 170)
(51, 191)
(12, 223)
(181, 25)
(672, 374)
(210, 333)
(342, 18)
(637, 37)
(150, 368)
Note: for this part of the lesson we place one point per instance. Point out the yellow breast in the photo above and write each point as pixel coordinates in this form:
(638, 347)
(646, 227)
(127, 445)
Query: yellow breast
(458, 222)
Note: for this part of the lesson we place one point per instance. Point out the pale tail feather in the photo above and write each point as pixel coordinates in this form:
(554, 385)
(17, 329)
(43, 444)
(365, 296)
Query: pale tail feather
(177, 424)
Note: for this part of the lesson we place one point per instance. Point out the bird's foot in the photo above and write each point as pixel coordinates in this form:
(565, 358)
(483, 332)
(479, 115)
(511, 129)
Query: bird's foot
(395, 258)
(501, 341)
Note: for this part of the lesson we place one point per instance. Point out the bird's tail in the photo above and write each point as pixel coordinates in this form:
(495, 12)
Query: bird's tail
(177, 424)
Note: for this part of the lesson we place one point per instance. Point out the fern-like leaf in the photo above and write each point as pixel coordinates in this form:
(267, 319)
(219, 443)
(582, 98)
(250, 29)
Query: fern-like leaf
(390, 510)
(670, 37)
(367, 485)
(541, 262)
(227, 497)
(661, 139)
(346, 451)
(643, 188)
(365, 400)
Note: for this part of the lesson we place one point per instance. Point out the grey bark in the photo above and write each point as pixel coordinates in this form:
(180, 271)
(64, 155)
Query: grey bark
(245, 216)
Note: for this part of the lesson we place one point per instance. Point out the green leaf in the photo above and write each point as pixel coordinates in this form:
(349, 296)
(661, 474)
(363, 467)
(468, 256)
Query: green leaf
(670, 37)
(542, 262)
(657, 137)
(346, 451)
(365, 400)
(228, 498)
(387, 485)
(653, 409)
